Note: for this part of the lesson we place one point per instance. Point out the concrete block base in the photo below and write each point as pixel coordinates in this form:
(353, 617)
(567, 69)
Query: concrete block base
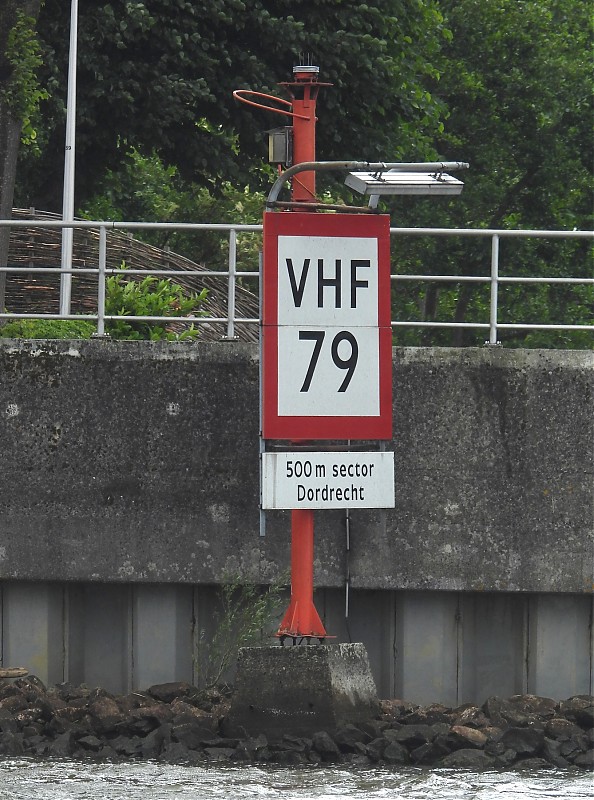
(301, 690)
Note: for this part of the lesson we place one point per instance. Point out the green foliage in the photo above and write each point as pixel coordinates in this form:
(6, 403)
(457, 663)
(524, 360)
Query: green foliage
(22, 93)
(149, 297)
(246, 617)
(48, 329)
(159, 77)
(146, 189)
(503, 84)
(516, 78)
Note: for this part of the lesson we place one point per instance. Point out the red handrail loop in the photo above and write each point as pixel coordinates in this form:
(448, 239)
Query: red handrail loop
(238, 95)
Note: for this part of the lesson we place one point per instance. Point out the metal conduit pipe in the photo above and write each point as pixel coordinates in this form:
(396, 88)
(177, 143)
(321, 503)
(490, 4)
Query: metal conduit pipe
(359, 166)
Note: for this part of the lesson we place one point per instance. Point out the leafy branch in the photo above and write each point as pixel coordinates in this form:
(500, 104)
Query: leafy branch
(246, 615)
(149, 297)
(22, 94)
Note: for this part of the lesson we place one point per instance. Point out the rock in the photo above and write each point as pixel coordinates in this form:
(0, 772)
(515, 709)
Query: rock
(519, 710)
(430, 715)
(579, 709)
(325, 746)
(90, 742)
(64, 721)
(492, 733)
(460, 738)
(182, 706)
(219, 753)
(68, 692)
(562, 729)
(128, 746)
(261, 742)
(29, 731)
(505, 758)
(410, 735)
(468, 759)
(11, 744)
(361, 749)
(72, 713)
(395, 708)
(63, 746)
(299, 744)
(290, 758)
(255, 749)
(220, 741)
(524, 741)
(431, 752)
(551, 751)
(242, 753)
(348, 736)
(396, 753)
(14, 703)
(375, 748)
(374, 728)
(585, 760)
(31, 684)
(37, 745)
(189, 734)
(153, 743)
(572, 747)
(9, 690)
(531, 764)
(176, 753)
(358, 760)
(472, 717)
(8, 723)
(105, 714)
(167, 692)
(145, 719)
(68, 721)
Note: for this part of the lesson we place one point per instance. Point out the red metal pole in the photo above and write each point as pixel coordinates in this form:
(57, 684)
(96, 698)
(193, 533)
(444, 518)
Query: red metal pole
(302, 619)
(304, 92)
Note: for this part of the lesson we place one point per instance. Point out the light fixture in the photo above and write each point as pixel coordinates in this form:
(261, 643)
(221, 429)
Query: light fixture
(393, 182)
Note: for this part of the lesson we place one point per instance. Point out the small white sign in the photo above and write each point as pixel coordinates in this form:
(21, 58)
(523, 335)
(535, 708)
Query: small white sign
(327, 480)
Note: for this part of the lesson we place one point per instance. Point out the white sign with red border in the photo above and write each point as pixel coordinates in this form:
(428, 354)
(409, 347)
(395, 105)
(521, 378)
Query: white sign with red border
(327, 363)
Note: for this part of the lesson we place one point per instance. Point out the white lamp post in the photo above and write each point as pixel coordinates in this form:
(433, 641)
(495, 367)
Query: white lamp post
(69, 162)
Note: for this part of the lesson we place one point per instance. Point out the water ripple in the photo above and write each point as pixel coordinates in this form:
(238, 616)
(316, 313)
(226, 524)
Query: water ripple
(23, 779)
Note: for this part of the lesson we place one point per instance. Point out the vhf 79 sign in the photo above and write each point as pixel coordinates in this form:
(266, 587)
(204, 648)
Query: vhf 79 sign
(327, 341)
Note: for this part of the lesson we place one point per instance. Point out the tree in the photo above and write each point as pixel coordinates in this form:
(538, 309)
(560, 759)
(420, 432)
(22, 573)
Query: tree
(19, 95)
(159, 76)
(517, 82)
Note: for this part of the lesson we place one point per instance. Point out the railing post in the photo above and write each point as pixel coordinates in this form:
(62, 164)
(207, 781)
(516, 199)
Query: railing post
(494, 290)
(101, 282)
(231, 286)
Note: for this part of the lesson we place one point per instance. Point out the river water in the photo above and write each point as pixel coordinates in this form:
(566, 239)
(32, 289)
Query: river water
(23, 779)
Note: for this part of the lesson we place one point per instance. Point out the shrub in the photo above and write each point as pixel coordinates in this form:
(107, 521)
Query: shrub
(48, 329)
(149, 297)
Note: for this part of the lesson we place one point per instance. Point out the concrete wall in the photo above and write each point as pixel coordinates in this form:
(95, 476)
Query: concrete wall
(139, 462)
(449, 647)
(129, 486)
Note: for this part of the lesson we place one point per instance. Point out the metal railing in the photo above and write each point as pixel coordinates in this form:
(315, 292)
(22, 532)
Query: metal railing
(232, 274)
(494, 279)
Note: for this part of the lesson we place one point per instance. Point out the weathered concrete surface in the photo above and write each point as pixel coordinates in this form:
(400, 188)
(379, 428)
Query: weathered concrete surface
(301, 690)
(129, 461)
